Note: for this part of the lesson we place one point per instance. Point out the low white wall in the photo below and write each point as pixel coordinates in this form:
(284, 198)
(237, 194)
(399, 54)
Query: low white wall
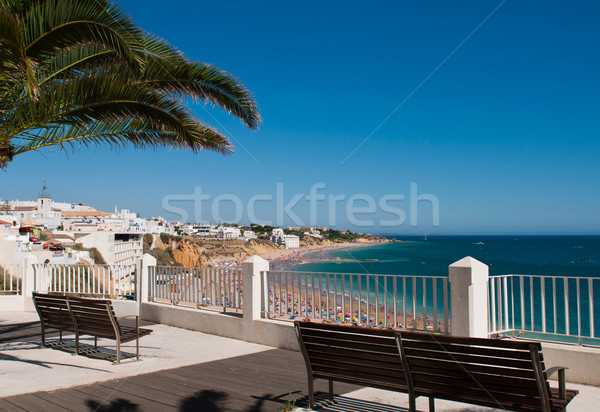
(583, 362)
(266, 332)
(12, 303)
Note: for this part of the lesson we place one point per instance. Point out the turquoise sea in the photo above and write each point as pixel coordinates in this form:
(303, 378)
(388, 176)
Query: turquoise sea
(527, 255)
(562, 256)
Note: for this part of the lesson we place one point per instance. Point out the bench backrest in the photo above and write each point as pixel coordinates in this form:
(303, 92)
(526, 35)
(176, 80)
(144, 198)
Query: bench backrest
(363, 356)
(94, 316)
(53, 311)
(496, 373)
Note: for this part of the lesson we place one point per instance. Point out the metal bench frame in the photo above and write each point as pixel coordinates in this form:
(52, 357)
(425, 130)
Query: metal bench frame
(495, 359)
(88, 316)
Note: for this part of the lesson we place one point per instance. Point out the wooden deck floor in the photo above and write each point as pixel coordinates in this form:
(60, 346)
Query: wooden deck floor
(258, 382)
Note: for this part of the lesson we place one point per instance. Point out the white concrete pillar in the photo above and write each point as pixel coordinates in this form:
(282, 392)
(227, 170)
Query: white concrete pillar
(469, 294)
(254, 286)
(29, 282)
(142, 287)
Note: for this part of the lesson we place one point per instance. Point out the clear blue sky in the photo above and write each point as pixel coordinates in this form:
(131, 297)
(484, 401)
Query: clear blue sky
(505, 134)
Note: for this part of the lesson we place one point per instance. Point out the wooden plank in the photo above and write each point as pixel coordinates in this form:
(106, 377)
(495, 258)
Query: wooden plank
(312, 342)
(494, 343)
(105, 397)
(354, 354)
(352, 329)
(466, 349)
(467, 359)
(426, 363)
(30, 402)
(9, 407)
(348, 336)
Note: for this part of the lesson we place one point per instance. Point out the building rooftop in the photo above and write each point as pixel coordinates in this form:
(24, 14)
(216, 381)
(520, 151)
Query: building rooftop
(77, 213)
(180, 370)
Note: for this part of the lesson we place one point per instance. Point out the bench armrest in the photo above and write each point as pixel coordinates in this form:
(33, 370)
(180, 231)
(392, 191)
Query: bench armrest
(562, 381)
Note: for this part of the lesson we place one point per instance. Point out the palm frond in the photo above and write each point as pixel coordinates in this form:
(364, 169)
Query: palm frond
(203, 81)
(88, 100)
(14, 60)
(53, 25)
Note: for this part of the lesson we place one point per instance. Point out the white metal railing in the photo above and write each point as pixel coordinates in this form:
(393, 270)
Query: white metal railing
(548, 307)
(11, 279)
(412, 302)
(93, 280)
(200, 287)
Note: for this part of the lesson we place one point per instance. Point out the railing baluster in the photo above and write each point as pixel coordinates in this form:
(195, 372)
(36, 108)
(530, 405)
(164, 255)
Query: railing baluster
(377, 299)
(543, 292)
(578, 310)
(395, 297)
(567, 320)
(591, 305)
(435, 304)
(554, 304)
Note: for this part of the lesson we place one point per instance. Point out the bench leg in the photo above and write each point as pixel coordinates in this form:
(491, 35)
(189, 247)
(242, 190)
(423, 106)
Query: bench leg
(431, 404)
(330, 390)
(412, 403)
(43, 335)
(118, 350)
(95, 342)
(137, 337)
(311, 393)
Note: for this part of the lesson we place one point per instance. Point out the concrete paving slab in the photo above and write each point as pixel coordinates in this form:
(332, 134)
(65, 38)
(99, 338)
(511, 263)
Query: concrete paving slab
(27, 368)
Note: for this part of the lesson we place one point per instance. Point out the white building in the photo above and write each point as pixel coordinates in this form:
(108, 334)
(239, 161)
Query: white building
(291, 241)
(249, 234)
(42, 212)
(119, 249)
(279, 237)
(226, 232)
(157, 225)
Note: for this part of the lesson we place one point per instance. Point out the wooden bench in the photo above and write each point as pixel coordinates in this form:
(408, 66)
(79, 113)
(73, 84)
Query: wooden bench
(94, 317)
(504, 374)
(53, 311)
(367, 357)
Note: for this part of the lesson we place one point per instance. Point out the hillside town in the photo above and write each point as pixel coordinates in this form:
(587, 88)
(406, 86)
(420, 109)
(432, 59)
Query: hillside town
(66, 233)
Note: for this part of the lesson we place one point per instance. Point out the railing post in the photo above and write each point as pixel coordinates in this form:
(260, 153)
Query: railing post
(253, 286)
(142, 287)
(469, 295)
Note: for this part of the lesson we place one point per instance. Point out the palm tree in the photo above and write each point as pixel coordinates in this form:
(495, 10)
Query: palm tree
(81, 72)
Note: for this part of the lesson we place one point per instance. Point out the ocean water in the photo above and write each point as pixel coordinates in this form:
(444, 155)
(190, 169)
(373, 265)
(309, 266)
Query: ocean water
(526, 255)
(568, 256)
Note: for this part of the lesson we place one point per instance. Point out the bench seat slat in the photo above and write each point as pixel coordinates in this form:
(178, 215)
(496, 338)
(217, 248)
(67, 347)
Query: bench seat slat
(443, 365)
(319, 364)
(315, 342)
(495, 343)
(385, 362)
(355, 354)
(363, 381)
(469, 359)
(468, 349)
(306, 327)
(527, 388)
(355, 337)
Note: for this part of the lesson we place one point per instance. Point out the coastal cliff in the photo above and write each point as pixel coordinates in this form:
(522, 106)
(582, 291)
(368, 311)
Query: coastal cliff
(187, 251)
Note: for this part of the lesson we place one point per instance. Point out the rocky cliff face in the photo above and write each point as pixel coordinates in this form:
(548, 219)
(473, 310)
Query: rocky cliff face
(188, 251)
